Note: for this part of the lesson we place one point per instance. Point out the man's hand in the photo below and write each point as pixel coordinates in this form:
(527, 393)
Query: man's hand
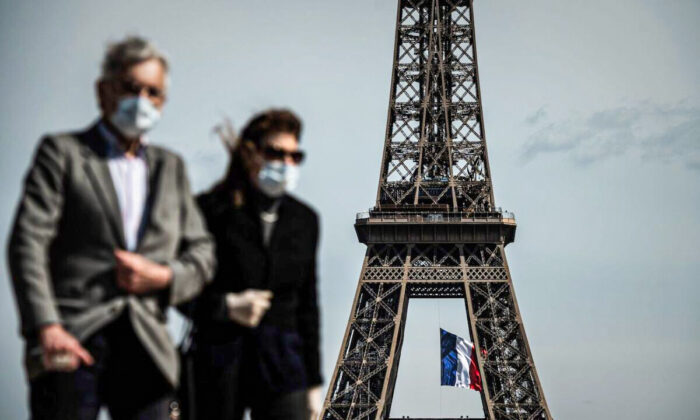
(248, 307)
(60, 350)
(137, 274)
(313, 402)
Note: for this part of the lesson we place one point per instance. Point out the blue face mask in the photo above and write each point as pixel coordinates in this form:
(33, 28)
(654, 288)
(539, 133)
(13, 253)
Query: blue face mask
(134, 116)
(276, 178)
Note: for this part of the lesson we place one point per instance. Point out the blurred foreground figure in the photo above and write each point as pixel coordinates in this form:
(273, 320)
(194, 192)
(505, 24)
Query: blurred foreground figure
(256, 326)
(106, 237)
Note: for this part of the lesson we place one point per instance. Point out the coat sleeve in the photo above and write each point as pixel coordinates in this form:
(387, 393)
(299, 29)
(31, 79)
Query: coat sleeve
(195, 263)
(208, 305)
(308, 317)
(35, 226)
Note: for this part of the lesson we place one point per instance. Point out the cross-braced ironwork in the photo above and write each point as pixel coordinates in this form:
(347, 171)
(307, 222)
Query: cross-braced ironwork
(434, 232)
(435, 153)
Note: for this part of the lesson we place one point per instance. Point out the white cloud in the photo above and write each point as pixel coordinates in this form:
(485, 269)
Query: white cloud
(667, 133)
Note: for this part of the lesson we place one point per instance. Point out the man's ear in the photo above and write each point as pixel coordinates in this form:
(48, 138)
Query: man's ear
(100, 93)
(105, 97)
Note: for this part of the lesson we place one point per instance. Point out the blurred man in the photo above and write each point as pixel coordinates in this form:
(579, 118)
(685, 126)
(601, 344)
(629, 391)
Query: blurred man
(106, 237)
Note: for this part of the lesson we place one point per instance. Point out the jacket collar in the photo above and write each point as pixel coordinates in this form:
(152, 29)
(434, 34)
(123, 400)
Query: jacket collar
(112, 147)
(247, 216)
(96, 150)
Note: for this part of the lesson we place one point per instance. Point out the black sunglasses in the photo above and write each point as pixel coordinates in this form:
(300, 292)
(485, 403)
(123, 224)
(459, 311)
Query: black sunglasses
(273, 153)
(135, 88)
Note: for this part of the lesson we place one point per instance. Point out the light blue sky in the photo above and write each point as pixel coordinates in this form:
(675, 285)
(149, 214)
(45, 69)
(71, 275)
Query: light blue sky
(592, 114)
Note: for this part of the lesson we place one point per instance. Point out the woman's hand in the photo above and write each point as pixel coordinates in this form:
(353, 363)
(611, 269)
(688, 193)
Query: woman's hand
(313, 402)
(248, 307)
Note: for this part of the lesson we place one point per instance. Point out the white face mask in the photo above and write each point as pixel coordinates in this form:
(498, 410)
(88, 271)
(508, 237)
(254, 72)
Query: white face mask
(134, 116)
(275, 178)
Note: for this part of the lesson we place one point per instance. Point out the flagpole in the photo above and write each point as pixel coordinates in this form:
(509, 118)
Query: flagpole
(437, 304)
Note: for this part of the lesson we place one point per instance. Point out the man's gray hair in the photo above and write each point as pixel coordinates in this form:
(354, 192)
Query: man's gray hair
(120, 56)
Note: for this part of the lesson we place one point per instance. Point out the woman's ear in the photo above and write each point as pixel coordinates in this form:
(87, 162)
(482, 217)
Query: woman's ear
(250, 157)
(247, 150)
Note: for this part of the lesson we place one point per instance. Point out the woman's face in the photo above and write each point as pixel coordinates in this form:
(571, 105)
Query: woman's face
(278, 147)
(284, 142)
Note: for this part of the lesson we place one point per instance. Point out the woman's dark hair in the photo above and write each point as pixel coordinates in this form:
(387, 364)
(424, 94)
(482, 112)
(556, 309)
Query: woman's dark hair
(269, 123)
(258, 129)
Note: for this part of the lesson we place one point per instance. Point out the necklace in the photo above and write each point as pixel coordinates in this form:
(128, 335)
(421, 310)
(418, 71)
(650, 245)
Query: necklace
(269, 217)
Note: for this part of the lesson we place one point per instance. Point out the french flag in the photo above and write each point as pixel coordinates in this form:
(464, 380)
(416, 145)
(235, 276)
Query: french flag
(459, 367)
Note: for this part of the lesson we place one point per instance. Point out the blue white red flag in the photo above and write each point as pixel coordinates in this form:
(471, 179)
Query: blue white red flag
(459, 367)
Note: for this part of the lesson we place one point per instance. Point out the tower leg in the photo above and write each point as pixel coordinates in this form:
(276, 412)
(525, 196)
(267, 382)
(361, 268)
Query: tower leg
(511, 386)
(365, 373)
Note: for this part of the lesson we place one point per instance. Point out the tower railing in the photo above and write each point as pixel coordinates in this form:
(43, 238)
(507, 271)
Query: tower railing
(434, 217)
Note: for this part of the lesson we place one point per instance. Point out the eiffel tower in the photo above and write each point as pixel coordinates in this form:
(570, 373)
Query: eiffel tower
(435, 231)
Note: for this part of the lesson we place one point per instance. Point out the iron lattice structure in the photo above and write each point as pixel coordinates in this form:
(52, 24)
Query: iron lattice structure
(434, 232)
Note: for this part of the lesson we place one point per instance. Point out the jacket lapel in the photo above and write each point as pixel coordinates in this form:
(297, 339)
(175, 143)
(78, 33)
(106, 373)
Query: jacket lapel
(248, 225)
(101, 180)
(154, 162)
(283, 226)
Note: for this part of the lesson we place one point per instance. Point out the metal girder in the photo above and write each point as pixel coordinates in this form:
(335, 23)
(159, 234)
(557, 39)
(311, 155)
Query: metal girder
(435, 150)
(363, 382)
(435, 231)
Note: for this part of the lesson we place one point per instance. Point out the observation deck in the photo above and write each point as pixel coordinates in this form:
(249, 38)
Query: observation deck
(435, 226)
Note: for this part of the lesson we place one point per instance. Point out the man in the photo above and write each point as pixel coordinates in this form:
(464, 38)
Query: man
(105, 238)
(256, 341)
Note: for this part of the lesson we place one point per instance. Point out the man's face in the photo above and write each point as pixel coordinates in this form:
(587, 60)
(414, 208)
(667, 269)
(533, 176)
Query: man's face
(146, 79)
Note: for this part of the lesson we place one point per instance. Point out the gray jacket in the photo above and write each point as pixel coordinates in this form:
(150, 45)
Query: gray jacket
(66, 229)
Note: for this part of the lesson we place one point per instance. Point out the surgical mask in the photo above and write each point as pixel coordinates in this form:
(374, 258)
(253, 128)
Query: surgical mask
(134, 116)
(275, 178)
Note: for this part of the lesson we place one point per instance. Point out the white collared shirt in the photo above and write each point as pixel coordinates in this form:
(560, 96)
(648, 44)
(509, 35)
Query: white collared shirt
(130, 179)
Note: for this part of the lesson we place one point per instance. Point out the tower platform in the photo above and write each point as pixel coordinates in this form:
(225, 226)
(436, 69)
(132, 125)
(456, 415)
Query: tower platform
(379, 226)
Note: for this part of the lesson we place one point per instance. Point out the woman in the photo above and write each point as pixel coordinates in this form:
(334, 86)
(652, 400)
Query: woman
(256, 326)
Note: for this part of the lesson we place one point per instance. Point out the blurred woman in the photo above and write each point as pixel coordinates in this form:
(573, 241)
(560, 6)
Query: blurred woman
(256, 326)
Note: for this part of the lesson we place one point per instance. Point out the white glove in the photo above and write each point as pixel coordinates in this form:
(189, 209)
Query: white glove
(313, 402)
(248, 307)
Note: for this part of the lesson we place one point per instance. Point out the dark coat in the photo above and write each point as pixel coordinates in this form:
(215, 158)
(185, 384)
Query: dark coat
(283, 351)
